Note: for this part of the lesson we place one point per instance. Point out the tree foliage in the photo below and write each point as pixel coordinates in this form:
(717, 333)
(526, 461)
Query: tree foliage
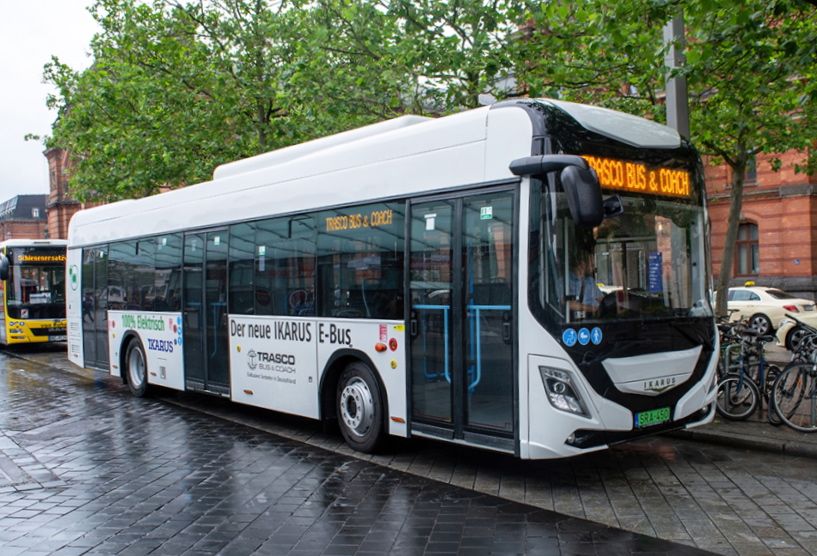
(174, 90)
(750, 68)
(178, 87)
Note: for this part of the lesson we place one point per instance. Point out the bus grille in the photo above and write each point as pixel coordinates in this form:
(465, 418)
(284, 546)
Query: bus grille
(47, 331)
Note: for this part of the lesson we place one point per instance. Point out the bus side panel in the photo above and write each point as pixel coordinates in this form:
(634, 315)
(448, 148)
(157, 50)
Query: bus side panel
(161, 337)
(73, 299)
(273, 363)
(3, 323)
(390, 362)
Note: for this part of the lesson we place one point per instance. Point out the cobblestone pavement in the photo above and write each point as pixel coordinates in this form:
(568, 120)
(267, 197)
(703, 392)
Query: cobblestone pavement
(721, 499)
(88, 469)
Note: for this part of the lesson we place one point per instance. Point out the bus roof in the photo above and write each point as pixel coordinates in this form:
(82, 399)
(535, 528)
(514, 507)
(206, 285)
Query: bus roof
(286, 154)
(409, 155)
(33, 243)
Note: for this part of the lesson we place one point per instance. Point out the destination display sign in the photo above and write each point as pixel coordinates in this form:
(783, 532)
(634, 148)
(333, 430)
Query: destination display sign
(637, 177)
(359, 220)
(37, 256)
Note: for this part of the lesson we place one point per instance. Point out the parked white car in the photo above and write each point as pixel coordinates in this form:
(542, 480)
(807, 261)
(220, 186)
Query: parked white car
(765, 308)
(789, 333)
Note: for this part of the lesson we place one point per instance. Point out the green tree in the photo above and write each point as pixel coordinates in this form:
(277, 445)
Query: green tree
(750, 71)
(179, 87)
(174, 90)
(458, 49)
(388, 57)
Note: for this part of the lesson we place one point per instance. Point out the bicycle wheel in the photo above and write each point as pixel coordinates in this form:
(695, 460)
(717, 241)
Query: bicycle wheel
(737, 398)
(795, 397)
(770, 376)
(772, 413)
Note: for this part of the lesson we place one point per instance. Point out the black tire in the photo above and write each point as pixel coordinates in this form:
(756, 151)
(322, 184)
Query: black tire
(772, 413)
(795, 396)
(773, 416)
(770, 374)
(737, 397)
(761, 323)
(360, 408)
(794, 337)
(136, 368)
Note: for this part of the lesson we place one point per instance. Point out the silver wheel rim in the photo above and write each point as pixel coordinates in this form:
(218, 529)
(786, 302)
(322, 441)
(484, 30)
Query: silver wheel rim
(761, 324)
(357, 407)
(136, 368)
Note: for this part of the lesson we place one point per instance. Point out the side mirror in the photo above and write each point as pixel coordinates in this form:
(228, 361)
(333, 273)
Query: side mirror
(4, 267)
(613, 206)
(583, 194)
(580, 183)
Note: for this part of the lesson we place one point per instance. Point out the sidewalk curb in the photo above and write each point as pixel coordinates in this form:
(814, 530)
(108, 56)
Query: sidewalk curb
(745, 442)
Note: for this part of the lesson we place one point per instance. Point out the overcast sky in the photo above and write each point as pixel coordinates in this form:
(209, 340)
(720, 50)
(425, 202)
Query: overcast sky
(30, 32)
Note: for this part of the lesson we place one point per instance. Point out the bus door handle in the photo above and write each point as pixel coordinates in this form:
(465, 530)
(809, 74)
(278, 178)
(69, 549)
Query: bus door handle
(507, 335)
(413, 328)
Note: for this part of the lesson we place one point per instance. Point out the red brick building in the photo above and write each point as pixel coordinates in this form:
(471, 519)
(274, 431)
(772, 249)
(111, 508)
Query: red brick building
(61, 207)
(23, 217)
(777, 238)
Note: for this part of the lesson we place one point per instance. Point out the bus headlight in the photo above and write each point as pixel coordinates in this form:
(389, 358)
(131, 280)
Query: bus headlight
(561, 391)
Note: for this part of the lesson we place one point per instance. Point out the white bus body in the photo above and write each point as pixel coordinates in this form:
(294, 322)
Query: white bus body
(449, 308)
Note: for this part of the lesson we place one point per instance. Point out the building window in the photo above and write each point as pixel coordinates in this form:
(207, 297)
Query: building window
(750, 174)
(35, 213)
(747, 260)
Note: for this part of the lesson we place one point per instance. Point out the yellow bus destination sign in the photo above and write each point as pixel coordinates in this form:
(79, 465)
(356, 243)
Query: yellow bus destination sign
(371, 219)
(637, 177)
(41, 258)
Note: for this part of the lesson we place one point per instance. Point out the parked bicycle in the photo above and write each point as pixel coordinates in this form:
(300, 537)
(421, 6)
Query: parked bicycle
(746, 381)
(794, 393)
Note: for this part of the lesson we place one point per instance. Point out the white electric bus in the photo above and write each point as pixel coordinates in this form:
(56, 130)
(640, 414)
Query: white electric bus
(416, 278)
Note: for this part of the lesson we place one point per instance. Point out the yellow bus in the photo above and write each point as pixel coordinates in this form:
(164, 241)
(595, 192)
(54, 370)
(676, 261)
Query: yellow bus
(32, 281)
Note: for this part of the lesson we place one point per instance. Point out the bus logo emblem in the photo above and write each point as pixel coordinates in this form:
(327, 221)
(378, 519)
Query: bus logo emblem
(252, 355)
(659, 385)
(73, 274)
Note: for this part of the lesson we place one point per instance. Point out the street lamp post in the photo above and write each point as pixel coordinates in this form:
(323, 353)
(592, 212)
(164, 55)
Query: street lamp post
(676, 89)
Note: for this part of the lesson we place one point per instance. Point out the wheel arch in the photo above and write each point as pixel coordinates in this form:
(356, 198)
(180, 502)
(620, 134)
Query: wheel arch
(127, 338)
(330, 376)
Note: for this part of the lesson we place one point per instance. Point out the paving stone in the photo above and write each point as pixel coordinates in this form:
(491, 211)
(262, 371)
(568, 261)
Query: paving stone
(138, 474)
(154, 478)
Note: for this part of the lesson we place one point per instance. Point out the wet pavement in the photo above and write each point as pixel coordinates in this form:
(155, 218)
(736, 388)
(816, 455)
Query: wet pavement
(89, 469)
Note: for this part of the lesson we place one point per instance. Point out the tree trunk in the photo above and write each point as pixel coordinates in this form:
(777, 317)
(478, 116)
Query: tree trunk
(727, 260)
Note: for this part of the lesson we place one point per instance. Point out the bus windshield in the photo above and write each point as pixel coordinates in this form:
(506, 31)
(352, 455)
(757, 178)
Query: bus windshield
(36, 290)
(647, 262)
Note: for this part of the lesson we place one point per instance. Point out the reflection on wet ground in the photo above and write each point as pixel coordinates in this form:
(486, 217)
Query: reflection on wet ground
(88, 469)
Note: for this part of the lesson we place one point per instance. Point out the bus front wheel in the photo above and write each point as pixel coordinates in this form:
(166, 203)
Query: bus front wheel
(136, 368)
(360, 408)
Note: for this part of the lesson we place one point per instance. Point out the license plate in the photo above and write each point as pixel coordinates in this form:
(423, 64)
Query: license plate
(652, 417)
(56, 338)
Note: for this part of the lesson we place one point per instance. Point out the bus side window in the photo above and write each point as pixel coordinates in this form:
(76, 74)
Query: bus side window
(360, 261)
(285, 266)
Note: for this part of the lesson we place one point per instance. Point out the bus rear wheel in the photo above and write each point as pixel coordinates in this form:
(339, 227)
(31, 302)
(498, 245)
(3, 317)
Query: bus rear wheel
(360, 408)
(136, 368)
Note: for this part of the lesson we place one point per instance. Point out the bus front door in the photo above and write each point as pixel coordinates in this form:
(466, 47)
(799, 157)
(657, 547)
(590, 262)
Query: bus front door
(461, 318)
(205, 312)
